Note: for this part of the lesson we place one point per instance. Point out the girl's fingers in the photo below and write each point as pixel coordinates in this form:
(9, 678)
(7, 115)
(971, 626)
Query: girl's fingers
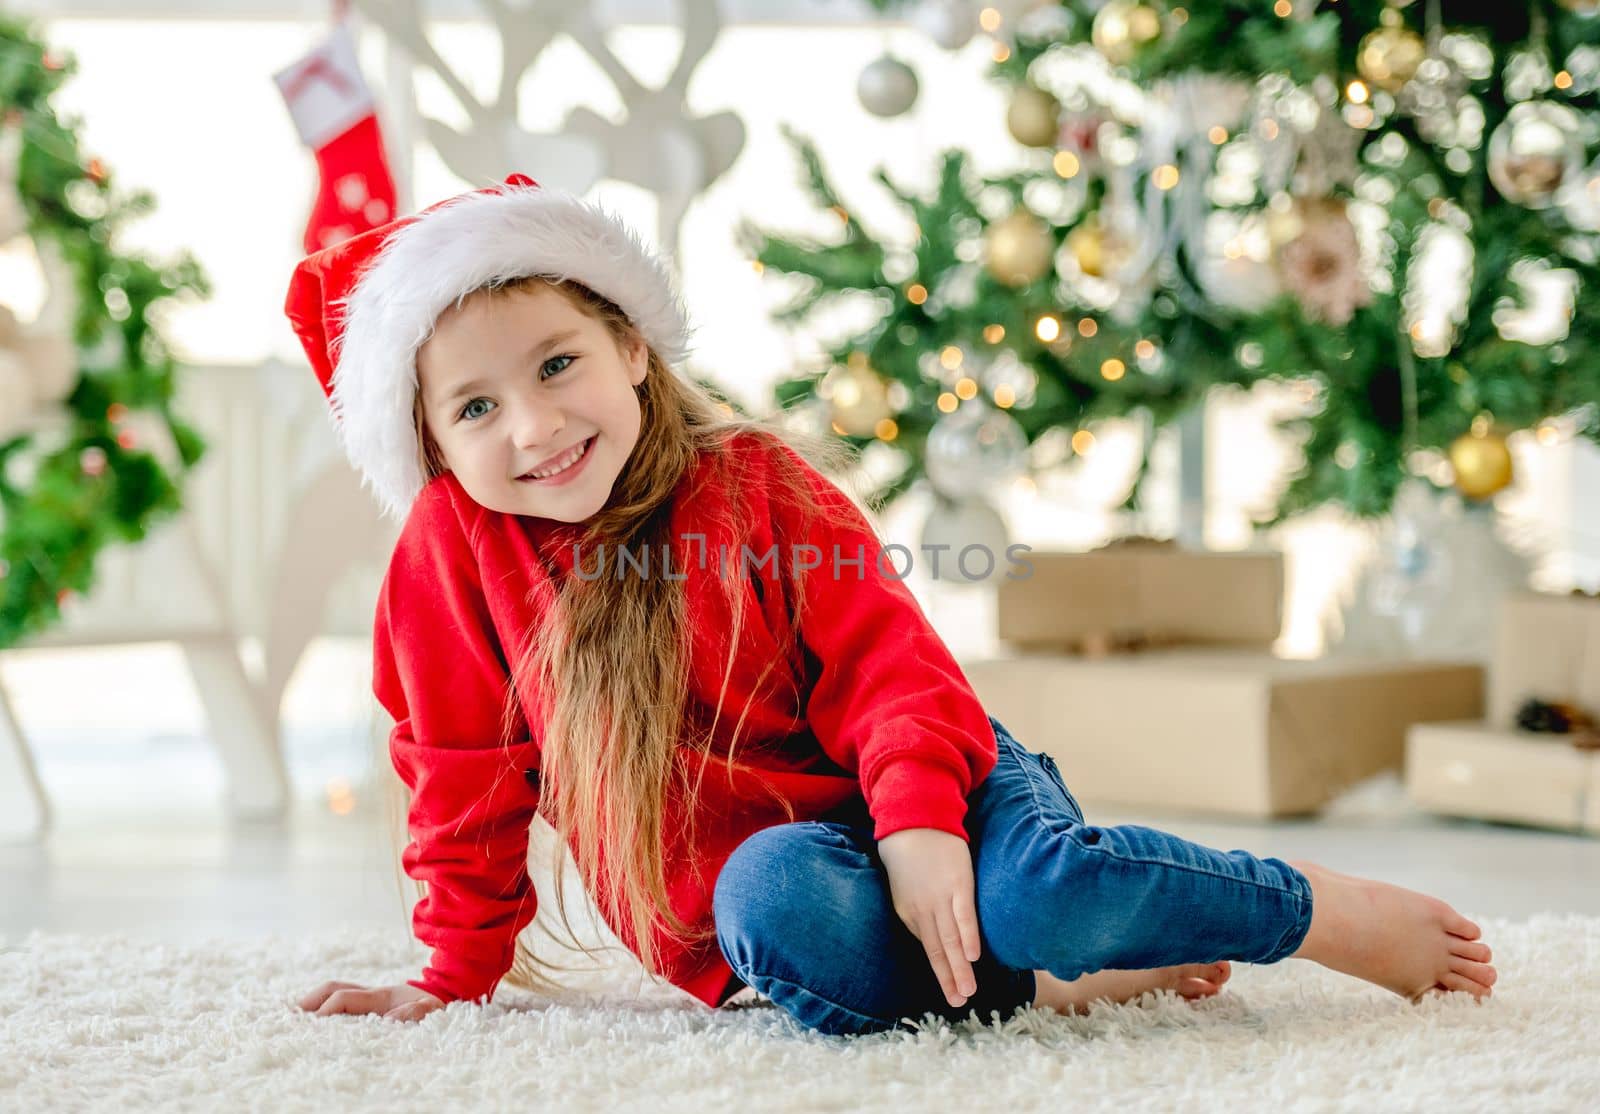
(962, 983)
(934, 946)
(320, 995)
(353, 1000)
(967, 920)
(407, 1011)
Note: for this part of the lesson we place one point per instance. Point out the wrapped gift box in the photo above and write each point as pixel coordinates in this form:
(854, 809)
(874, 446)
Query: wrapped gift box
(1546, 647)
(1218, 730)
(1481, 771)
(1157, 593)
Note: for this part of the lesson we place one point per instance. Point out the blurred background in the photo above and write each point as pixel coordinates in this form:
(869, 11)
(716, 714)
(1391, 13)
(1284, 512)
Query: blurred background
(1313, 280)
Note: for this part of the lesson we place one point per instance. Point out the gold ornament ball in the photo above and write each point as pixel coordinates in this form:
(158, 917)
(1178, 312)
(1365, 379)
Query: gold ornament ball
(1018, 248)
(858, 398)
(1581, 7)
(1088, 246)
(1122, 28)
(1389, 56)
(1098, 252)
(1482, 462)
(1034, 118)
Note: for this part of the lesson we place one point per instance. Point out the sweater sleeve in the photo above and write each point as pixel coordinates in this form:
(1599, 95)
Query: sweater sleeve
(440, 672)
(888, 700)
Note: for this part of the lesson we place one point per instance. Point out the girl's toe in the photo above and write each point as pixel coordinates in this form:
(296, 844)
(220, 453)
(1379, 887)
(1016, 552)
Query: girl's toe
(1454, 981)
(1477, 972)
(1190, 987)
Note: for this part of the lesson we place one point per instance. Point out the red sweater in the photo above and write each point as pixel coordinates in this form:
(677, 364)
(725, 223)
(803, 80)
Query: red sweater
(883, 711)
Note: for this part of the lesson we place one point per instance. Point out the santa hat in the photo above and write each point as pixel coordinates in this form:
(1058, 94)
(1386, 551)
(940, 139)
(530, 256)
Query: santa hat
(363, 307)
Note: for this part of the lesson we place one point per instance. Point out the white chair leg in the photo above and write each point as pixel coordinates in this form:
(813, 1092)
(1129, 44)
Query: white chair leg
(242, 729)
(24, 811)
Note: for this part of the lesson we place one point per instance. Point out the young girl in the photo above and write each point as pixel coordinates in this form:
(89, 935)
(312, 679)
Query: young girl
(662, 629)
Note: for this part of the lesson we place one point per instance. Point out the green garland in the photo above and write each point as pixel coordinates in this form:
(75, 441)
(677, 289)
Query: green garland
(1355, 443)
(65, 498)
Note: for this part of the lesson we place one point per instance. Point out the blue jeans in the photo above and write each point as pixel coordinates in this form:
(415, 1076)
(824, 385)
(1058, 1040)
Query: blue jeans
(804, 912)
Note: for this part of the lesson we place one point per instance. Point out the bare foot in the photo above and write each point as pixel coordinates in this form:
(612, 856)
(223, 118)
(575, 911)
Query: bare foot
(1401, 940)
(1192, 980)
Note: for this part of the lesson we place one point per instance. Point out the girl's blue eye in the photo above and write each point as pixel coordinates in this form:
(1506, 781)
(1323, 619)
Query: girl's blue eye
(471, 415)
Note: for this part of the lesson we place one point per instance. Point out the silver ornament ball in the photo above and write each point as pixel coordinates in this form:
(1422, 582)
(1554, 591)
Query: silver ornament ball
(974, 451)
(950, 23)
(887, 87)
(968, 537)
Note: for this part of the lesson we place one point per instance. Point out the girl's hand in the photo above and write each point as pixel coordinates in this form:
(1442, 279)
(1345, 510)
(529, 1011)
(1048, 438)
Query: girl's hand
(399, 1003)
(930, 876)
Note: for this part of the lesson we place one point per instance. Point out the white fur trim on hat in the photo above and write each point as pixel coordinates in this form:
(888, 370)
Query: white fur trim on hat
(425, 266)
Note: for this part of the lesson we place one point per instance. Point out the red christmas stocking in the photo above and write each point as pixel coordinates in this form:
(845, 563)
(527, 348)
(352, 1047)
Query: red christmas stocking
(333, 111)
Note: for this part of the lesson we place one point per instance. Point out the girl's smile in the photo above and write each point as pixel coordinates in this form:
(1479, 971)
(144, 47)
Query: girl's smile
(563, 469)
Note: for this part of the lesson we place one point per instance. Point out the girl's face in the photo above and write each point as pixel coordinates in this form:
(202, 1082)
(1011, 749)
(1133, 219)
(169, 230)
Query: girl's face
(514, 387)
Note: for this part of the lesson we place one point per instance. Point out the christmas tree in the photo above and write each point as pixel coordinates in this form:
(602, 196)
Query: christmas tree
(1391, 205)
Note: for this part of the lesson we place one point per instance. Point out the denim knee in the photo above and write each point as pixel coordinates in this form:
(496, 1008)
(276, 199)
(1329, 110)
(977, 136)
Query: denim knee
(753, 898)
(746, 874)
(1018, 911)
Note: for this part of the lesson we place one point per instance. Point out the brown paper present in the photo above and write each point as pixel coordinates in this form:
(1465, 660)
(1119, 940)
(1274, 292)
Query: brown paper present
(1219, 731)
(1547, 647)
(1482, 771)
(1131, 595)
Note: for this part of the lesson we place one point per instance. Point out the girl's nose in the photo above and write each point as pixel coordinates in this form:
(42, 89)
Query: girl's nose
(536, 424)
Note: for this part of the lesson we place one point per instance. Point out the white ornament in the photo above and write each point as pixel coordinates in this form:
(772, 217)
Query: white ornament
(974, 451)
(968, 537)
(887, 87)
(1536, 150)
(1432, 587)
(950, 23)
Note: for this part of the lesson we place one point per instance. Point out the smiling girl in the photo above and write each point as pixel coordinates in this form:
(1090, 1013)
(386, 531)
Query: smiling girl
(770, 772)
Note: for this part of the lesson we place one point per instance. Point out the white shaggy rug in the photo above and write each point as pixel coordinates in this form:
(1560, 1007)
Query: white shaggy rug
(108, 1022)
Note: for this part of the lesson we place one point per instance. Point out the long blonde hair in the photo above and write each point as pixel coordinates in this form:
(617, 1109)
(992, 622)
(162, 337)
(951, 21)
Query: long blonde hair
(611, 657)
